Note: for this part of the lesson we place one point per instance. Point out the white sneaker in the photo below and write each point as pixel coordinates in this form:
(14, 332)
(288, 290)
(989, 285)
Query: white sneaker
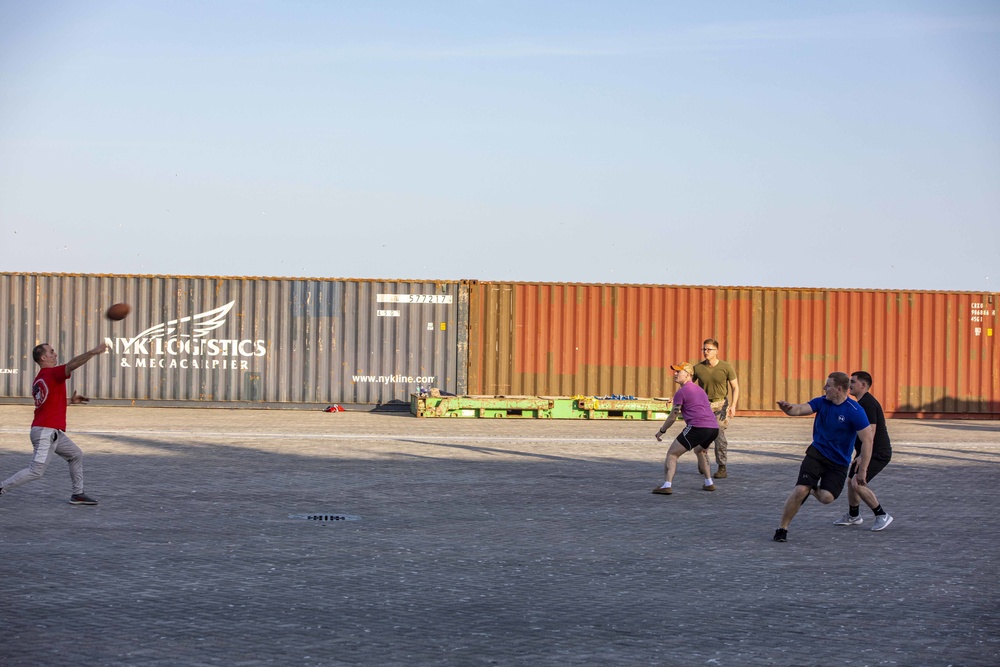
(882, 522)
(848, 520)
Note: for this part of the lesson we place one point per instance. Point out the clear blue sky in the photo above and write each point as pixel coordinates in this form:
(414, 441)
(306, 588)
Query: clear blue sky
(819, 144)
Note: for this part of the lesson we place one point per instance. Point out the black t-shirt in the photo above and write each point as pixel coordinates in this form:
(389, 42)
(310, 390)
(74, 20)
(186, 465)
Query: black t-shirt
(881, 449)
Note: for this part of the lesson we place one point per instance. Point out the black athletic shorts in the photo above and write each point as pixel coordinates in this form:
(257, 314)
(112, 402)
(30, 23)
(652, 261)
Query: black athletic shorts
(817, 470)
(697, 436)
(875, 466)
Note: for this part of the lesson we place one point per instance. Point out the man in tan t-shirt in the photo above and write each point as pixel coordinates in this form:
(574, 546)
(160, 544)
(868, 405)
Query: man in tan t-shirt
(718, 379)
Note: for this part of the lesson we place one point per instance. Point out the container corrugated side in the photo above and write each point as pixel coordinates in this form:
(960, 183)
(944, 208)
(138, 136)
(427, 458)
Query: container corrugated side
(233, 339)
(931, 353)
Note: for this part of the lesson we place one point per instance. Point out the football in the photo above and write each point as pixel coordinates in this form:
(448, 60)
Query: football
(119, 311)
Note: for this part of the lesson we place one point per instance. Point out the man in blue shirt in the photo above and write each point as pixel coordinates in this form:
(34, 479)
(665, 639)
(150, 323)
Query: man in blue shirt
(839, 419)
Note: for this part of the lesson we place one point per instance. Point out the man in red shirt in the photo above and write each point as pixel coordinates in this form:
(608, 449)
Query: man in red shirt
(48, 435)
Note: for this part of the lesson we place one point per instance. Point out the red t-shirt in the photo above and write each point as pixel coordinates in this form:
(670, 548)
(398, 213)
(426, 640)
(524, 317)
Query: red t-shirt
(49, 390)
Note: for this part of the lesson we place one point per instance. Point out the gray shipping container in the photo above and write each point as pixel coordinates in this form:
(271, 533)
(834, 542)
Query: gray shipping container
(229, 339)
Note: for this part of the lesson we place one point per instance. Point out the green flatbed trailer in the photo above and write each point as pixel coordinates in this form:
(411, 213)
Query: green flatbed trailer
(538, 407)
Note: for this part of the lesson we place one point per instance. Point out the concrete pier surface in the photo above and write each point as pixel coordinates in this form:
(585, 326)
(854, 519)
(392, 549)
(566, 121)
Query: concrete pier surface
(485, 542)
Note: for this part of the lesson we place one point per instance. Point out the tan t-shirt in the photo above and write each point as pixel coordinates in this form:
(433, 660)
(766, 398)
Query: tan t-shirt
(714, 380)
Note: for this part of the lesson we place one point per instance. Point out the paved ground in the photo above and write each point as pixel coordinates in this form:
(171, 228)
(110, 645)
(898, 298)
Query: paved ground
(485, 542)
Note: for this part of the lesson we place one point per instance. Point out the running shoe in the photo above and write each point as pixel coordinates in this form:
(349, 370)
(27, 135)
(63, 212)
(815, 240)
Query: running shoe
(781, 535)
(848, 520)
(81, 499)
(882, 522)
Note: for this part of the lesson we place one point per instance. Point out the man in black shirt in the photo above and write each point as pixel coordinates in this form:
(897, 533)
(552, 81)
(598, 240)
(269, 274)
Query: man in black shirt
(861, 382)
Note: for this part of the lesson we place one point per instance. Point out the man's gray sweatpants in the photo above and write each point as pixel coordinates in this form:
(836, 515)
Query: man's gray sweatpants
(47, 443)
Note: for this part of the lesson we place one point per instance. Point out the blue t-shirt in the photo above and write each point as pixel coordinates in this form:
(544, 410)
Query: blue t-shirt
(835, 428)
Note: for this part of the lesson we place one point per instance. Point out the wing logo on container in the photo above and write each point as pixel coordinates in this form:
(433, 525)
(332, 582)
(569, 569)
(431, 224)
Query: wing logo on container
(185, 343)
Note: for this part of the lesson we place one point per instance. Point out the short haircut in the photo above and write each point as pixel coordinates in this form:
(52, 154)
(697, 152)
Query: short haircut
(39, 350)
(710, 341)
(863, 376)
(840, 380)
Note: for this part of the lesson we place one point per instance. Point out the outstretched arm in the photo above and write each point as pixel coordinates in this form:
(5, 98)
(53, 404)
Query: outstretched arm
(795, 409)
(671, 418)
(76, 362)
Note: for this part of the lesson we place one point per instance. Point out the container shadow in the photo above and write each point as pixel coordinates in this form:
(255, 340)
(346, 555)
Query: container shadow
(533, 553)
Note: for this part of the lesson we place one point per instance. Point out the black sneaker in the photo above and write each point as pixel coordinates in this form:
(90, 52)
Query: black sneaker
(781, 535)
(81, 499)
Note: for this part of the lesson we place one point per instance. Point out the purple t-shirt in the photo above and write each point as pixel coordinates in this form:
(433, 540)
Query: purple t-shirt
(694, 405)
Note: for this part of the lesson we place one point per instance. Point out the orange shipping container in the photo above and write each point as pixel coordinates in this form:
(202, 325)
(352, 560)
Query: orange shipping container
(931, 354)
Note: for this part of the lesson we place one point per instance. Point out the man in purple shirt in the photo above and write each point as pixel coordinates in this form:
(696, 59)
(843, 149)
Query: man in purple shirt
(700, 430)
